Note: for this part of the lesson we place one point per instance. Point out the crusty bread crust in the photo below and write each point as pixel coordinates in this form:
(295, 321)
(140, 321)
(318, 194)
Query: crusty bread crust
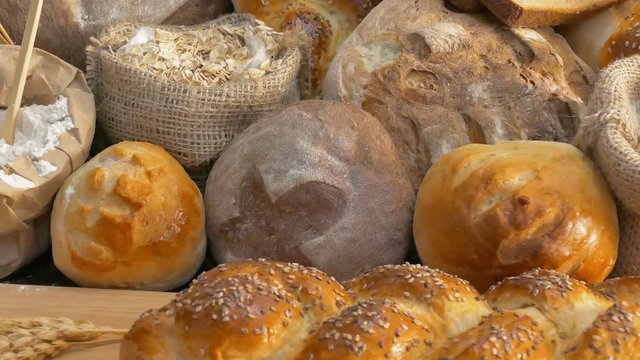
(467, 5)
(514, 14)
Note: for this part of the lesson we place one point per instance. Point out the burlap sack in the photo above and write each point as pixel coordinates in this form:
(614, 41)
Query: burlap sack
(609, 131)
(194, 124)
(24, 213)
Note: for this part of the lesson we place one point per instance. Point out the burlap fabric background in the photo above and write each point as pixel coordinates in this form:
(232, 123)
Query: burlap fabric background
(610, 132)
(194, 124)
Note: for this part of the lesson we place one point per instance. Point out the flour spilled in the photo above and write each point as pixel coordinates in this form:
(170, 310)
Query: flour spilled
(38, 132)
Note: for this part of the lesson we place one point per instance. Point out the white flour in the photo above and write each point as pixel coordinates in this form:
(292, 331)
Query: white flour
(44, 168)
(16, 181)
(37, 133)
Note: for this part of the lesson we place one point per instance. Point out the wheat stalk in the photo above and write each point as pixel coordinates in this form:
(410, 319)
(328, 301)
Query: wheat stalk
(42, 337)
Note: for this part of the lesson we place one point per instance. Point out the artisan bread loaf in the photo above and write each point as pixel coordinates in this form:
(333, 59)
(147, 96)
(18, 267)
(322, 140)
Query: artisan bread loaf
(129, 218)
(270, 310)
(438, 79)
(66, 25)
(485, 212)
(319, 183)
(326, 23)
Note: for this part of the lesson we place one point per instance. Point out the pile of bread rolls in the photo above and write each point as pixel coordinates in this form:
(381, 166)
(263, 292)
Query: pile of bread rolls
(427, 128)
(398, 162)
(273, 310)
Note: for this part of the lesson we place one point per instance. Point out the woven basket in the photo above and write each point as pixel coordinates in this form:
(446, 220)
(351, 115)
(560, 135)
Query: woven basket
(610, 131)
(194, 124)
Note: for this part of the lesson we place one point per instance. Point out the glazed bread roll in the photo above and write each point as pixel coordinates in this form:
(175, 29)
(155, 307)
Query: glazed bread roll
(129, 218)
(271, 310)
(607, 36)
(485, 212)
(318, 183)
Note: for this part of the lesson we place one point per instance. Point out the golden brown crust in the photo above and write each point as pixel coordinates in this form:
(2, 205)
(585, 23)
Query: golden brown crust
(485, 212)
(131, 217)
(513, 14)
(271, 310)
(500, 336)
(449, 304)
(255, 308)
(623, 42)
(625, 289)
(373, 329)
(613, 335)
(327, 23)
(568, 303)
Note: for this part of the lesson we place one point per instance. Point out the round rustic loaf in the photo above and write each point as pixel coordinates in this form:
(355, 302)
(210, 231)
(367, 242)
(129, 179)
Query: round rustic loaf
(485, 212)
(129, 218)
(438, 79)
(319, 183)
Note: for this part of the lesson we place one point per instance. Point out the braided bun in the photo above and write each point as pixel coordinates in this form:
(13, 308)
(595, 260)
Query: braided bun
(272, 310)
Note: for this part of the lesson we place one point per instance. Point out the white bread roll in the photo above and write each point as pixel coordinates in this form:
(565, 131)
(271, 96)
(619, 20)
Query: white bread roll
(129, 218)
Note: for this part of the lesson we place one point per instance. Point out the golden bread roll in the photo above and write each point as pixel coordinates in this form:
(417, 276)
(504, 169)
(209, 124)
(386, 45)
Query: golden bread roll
(241, 310)
(485, 212)
(327, 23)
(607, 36)
(129, 218)
(271, 310)
(625, 289)
(588, 324)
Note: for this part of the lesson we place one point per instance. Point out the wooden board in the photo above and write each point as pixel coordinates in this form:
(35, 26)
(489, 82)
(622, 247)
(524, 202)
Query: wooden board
(114, 308)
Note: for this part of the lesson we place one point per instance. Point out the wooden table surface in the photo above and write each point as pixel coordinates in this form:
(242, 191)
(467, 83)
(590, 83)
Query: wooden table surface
(113, 308)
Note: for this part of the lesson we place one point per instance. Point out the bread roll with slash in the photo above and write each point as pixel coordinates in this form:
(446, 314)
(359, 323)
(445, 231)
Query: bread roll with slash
(485, 212)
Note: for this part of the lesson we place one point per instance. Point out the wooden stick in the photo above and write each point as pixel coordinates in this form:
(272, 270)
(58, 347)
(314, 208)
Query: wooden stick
(5, 35)
(22, 67)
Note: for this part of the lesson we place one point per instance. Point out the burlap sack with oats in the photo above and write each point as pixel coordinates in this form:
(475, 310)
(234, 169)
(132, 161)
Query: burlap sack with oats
(193, 123)
(610, 132)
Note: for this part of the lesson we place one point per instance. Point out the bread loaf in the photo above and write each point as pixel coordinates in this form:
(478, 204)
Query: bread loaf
(267, 310)
(485, 212)
(438, 79)
(319, 183)
(467, 5)
(607, 36)
(537, 13)
(66, 25)
(129, 218)
(327, 23)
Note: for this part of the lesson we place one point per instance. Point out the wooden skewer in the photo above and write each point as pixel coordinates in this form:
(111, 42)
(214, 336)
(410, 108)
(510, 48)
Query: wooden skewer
(22, 67)
(5, 36)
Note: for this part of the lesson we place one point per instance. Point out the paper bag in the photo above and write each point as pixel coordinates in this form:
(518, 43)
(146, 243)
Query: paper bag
(24, 213)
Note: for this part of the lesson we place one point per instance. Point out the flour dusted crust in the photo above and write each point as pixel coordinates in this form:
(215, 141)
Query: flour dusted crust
(438, 79)
(129, 218)
(319, 183)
